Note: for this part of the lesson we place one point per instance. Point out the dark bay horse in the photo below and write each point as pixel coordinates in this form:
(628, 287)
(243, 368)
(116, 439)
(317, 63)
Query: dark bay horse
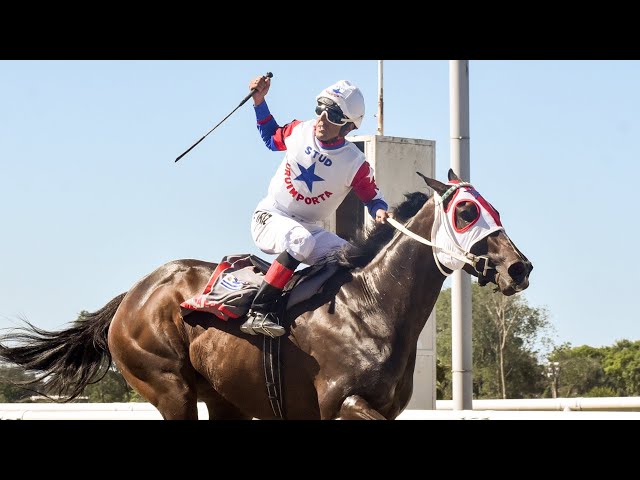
(351, 358)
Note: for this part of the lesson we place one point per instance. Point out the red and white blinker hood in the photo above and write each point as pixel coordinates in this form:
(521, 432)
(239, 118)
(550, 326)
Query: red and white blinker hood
(446, 236)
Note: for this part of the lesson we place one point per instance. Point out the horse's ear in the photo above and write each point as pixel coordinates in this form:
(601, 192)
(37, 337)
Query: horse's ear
(453, 176)
(434, 184)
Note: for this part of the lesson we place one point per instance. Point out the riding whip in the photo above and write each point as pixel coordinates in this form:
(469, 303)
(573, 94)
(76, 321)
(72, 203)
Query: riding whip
(244, 100)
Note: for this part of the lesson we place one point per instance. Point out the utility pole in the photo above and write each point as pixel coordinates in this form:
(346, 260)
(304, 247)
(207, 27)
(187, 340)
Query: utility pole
(461, 322)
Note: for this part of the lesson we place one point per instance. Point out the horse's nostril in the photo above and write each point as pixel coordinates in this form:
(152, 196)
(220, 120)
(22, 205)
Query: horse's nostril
(518, 271)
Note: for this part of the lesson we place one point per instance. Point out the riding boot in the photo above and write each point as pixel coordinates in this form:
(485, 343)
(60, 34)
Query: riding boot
(261, 317)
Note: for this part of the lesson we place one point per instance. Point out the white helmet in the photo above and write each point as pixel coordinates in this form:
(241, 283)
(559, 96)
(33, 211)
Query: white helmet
(348, 97)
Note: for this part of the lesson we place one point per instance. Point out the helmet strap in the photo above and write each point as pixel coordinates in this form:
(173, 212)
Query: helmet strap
(346, 128)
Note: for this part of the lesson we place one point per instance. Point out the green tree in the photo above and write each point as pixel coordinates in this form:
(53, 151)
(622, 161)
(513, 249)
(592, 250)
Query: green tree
(443, 346)
(442, 380)
(512, 329)
(601, 392)
(505, 333)
(621, 364)
(580, 369)
(111, 388)
(10, 389)
(605, 371)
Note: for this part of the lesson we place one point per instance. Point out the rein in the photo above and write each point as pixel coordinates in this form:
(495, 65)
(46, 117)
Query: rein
(462, 255)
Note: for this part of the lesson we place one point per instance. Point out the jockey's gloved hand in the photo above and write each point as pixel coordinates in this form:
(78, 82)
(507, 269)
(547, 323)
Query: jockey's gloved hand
(382, 215)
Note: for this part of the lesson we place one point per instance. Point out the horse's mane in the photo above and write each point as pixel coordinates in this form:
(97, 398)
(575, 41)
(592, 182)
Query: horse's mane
(368, 242)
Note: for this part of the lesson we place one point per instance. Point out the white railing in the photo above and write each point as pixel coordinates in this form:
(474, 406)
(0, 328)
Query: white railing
(84, 411)
(548, 404)
(541, 409)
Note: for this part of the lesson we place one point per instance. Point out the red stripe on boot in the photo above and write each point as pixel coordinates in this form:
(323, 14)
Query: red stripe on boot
(278, 275)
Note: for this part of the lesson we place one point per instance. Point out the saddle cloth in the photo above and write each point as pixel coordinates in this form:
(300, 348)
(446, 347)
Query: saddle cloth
(234, 283)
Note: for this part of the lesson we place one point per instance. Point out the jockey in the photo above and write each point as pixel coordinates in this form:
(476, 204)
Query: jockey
(319, 169)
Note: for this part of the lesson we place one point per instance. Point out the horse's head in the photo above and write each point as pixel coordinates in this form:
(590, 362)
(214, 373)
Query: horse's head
(467, 233)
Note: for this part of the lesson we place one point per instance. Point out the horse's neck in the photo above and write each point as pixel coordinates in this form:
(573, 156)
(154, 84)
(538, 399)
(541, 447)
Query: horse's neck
(404, 279)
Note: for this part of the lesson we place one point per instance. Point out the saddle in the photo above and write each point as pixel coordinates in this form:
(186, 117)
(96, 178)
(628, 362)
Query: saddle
(308, 288)
(233, 285)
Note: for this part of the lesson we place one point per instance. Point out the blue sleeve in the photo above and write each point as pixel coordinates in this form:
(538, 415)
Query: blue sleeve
(374, 205)
(267, 125)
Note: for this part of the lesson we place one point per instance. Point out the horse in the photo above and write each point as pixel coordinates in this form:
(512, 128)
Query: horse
(352, 357)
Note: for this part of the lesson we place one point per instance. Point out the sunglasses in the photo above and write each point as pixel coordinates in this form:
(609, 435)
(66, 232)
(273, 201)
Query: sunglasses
(334, 115)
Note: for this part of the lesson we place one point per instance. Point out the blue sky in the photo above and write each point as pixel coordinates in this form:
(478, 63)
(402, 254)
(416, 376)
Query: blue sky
(91, 199)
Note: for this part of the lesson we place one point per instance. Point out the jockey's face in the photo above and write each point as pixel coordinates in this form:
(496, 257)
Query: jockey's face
(327, 131)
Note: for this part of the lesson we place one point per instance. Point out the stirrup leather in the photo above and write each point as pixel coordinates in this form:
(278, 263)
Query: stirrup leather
(266, 324)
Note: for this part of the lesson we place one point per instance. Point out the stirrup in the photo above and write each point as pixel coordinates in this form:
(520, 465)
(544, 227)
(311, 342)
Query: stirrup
(258, 322)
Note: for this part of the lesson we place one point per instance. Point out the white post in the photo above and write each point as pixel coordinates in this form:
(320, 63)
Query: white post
(461, 326)
(380, 101)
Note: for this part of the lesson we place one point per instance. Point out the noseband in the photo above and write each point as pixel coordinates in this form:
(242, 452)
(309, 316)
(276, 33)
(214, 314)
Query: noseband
(461, 254)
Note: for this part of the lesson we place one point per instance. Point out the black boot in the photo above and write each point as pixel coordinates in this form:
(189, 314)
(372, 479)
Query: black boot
(261, 317)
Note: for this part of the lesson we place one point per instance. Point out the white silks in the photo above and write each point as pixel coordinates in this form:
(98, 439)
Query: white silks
(447, 237)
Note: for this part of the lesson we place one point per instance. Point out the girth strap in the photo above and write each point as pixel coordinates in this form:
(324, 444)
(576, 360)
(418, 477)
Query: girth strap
(271, 360)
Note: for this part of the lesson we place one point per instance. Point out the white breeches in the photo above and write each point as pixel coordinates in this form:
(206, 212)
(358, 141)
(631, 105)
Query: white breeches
(274, 232)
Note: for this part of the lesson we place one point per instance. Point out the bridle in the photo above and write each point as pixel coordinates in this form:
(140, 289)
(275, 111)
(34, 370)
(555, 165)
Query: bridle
(461, 254)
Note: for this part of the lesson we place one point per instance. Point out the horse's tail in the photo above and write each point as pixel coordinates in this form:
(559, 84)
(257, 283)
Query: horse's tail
(69, 359)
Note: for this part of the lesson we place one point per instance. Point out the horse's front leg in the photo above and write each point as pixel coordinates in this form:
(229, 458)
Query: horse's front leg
(357, 408)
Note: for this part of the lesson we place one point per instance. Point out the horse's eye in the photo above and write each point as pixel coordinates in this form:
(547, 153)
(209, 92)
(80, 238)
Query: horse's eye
(468, 212)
